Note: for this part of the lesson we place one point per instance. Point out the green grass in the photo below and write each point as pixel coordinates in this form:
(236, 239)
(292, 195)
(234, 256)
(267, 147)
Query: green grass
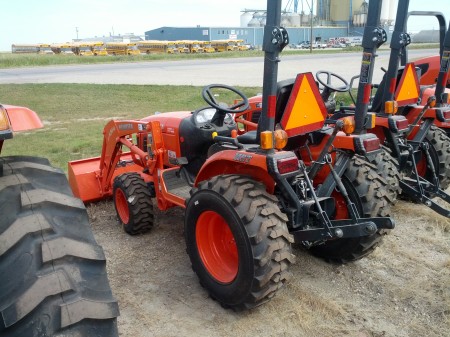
(75, 114)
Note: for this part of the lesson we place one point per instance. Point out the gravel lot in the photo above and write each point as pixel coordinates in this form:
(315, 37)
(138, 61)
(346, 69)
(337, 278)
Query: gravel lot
(402, 289)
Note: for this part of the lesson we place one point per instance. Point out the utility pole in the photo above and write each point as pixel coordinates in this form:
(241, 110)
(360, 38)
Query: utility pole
(311, 33)
(76, 30)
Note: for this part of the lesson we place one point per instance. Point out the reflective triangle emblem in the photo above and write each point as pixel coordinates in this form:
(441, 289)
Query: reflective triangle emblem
(305, 110)
(408, 90)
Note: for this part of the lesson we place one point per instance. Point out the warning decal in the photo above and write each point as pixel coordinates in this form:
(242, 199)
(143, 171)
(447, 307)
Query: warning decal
(408, 89)
(305, 111)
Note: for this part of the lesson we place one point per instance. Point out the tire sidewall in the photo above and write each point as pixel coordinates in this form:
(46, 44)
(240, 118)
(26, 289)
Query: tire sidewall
(118, 185)
(233, 292)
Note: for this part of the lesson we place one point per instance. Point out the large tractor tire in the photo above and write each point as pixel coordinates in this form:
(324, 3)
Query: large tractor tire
(53, 279)
(133, 203)
(440, 155)
(238, 241)
(387, 167)
(368, 191)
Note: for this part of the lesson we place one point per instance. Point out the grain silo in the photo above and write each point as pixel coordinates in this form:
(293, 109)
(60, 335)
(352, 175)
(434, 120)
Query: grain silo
(388, 12)
(343, 10)
(246, 17)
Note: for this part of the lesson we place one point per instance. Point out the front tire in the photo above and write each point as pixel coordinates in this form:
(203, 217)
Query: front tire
(237, 241)
(367, 190)
(133, 203)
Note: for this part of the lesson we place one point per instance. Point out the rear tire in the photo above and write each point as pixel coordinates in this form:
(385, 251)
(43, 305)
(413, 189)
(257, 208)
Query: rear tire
(53, 277)
(238, 241)
(367, 190)
(440, 155)
(133, 203)
(387, 167)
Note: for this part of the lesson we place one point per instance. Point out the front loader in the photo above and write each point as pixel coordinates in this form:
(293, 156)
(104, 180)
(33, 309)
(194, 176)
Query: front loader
(246, 198)
(53, 277)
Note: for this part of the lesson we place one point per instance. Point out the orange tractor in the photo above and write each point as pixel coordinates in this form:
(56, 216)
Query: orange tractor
(435, 79)
(246, 199)
(53, 277)
(416, 156)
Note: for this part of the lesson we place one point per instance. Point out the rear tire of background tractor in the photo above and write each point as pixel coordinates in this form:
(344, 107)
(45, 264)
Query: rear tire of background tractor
(53, 277)
(238, 241)
(133, 203)
(387, 167)
(440, 154)
(368, 191)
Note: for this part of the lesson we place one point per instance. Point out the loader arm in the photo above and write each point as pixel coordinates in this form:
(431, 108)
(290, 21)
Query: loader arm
(115, 136)
(101, 171)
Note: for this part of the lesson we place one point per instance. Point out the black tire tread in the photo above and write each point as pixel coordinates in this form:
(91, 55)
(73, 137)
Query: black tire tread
(266, 228)
(141, 207)
(49, 257)
(440, 141)
(372, 192)
(387, 167)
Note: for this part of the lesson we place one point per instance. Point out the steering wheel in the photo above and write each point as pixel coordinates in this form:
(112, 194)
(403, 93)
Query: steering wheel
(208, 96)
(344, 88)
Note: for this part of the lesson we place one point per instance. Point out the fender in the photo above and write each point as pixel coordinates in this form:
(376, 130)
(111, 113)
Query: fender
(430, 69)
(251, 164)
(21, 118)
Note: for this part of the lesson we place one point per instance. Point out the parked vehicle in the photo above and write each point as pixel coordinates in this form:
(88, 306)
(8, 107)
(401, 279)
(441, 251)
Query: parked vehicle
(156, 46)
(122, 48)
(39, 48)
(246, 197)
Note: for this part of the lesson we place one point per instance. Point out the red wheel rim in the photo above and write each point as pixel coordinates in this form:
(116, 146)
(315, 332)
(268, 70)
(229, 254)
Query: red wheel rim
(341, 211)
(422, 166)
(122, 206)
(217, 247)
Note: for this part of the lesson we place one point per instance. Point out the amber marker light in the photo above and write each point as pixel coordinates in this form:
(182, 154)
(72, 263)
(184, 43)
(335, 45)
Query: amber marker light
(4, 123)
(391, 107)
(373, 119)
(267, 140)
(214, 134)
(432, 101)
(281, 139)
(349, 125)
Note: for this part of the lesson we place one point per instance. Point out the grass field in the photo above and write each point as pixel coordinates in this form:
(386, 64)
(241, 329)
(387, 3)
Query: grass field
(75, 114)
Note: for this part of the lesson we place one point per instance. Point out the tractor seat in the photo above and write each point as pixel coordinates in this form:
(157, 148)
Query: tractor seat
(248, 138)
(284, 89)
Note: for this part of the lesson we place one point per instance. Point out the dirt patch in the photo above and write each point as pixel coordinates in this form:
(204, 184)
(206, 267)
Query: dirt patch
(402, 289)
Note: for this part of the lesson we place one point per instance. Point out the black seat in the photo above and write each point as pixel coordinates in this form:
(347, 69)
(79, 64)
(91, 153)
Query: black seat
(284, 89)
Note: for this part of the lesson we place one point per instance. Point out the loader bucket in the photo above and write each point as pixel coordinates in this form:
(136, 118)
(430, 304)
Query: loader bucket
(86, 181)
(83, 179)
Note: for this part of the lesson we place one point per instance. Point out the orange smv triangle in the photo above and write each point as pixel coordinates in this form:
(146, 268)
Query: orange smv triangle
(305, 111)
(408, 89)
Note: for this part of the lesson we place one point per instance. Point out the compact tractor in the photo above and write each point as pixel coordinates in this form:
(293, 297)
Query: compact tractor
(52, 272)
(416, 160)
(246, 197)
(435, 79)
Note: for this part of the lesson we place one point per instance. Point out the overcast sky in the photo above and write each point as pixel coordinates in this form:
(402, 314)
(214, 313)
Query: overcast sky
(52, 21)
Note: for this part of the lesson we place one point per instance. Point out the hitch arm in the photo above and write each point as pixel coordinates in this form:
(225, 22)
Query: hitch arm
(317, 165)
